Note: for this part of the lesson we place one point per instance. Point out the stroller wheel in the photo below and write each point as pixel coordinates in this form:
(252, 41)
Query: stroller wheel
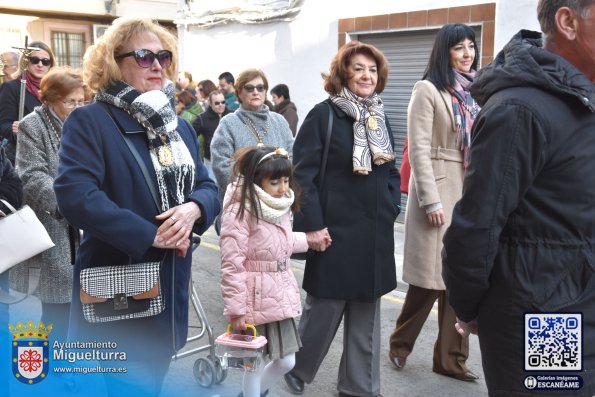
(219, 371)
(204, 372)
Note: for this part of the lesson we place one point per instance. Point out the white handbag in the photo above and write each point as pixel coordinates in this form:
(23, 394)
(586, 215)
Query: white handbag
(22, 236)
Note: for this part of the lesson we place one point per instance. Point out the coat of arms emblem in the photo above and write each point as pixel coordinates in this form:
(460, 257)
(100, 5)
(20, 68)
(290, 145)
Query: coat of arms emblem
(30, 352)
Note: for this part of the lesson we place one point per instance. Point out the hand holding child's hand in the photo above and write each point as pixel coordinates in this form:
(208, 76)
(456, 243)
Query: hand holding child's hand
(238, 322)
(319, 240)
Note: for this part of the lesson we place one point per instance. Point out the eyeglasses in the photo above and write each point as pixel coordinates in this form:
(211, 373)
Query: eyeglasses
(44, 61)
(71, 103)
(219, 103)
(250, 88)
(145, 58)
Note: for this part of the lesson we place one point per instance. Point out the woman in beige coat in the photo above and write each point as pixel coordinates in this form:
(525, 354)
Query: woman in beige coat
(440, 117)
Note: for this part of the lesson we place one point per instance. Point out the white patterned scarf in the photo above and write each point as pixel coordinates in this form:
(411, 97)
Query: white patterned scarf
(272, 208)
(155, 111)
(371, 140)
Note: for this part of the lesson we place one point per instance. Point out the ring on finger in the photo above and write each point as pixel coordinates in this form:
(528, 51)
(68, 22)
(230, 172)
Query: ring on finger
(173, 218)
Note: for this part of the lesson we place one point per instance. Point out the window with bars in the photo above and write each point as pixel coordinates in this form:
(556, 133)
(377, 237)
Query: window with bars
(68, 48)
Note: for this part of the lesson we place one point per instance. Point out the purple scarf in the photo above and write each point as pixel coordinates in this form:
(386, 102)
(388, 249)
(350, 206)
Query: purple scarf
(33, 85)
(465, 110)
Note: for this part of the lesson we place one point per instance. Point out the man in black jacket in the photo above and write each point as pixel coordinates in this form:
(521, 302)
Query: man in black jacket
(522, 238)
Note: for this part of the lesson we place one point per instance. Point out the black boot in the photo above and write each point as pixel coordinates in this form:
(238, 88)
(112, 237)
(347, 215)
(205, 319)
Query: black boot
(296, 385)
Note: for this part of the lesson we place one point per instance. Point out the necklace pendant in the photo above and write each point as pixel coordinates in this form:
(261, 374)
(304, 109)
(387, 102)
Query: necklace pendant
(165, 155)
(372, 123)
(259, 144)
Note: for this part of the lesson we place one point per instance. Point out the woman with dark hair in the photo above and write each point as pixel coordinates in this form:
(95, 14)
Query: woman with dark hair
(38, 64)
(192, 107)
(284, 106)
(204, 89)
(346, 281)
(61, 90)
(440, 116)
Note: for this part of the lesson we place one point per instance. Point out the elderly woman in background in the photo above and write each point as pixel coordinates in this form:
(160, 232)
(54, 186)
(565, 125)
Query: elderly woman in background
(357, 205)
(440, 116)
(130, 216)
(39, 63)
(61, 91)
(206, 124)
(251, 124)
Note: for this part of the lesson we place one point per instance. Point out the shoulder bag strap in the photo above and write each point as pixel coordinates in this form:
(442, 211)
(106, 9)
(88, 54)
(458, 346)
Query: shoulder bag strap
(138, 159)
(327, 144)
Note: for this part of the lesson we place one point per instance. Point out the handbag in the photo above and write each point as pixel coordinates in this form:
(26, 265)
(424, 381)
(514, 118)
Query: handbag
(112, 293)
(23, 236)
(302, 256)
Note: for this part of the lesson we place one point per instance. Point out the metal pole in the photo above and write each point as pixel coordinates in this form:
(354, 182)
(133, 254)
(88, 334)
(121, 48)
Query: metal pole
(25, 51)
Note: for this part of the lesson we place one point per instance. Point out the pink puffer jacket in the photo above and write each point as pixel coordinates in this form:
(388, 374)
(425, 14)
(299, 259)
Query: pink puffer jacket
(256, 278)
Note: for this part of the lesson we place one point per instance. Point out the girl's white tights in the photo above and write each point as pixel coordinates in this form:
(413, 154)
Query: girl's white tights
(259, 381)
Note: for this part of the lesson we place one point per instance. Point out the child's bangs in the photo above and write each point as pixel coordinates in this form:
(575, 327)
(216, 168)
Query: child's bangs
(275, 168)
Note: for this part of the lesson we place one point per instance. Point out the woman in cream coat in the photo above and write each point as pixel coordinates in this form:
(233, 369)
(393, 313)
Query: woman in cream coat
(440, 117)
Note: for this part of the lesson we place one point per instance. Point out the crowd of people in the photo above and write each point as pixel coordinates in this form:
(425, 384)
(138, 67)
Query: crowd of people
(125, 159)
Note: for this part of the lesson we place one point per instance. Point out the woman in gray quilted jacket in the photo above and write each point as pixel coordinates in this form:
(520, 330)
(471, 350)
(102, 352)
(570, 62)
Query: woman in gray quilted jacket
(61, 91)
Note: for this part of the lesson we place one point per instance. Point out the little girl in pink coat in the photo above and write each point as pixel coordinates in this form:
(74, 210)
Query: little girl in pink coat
(257, 240)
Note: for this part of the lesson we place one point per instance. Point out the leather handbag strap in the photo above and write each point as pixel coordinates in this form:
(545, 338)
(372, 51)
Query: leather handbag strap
(138, 159)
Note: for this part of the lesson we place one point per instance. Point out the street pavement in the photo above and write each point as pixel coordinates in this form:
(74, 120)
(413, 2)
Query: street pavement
(416, 379)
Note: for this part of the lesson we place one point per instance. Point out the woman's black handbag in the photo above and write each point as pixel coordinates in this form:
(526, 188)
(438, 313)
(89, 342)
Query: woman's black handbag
(302, 256)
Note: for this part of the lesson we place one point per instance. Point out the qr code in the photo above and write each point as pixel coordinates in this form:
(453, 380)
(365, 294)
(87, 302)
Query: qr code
(553, 342)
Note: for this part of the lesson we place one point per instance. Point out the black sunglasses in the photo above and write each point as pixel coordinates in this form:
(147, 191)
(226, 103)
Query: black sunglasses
(250, 87)
(145, 58)
(44, 61)
(219, 103)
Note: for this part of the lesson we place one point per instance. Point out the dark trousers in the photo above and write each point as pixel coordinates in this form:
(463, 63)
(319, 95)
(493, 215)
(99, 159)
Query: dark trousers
(359, 370)
(451, 349)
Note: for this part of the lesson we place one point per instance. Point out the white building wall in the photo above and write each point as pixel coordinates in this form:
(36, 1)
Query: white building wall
(295, 53)
(158, 9)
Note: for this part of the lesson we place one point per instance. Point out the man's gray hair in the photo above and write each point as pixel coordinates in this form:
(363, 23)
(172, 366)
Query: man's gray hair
(546, 12)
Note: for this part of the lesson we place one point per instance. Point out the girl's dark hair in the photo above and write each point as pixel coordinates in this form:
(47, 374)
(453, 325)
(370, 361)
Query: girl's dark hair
(438, 70)
(248, 166)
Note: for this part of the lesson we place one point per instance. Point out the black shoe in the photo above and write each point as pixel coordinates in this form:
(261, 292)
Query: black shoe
(296, 385)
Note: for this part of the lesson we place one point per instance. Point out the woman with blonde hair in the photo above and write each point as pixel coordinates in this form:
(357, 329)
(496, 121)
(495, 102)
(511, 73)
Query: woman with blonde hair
(130, 176)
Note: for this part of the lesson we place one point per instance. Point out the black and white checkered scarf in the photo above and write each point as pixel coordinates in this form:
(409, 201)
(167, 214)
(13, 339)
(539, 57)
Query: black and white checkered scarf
(369, 145)
(155, 111)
